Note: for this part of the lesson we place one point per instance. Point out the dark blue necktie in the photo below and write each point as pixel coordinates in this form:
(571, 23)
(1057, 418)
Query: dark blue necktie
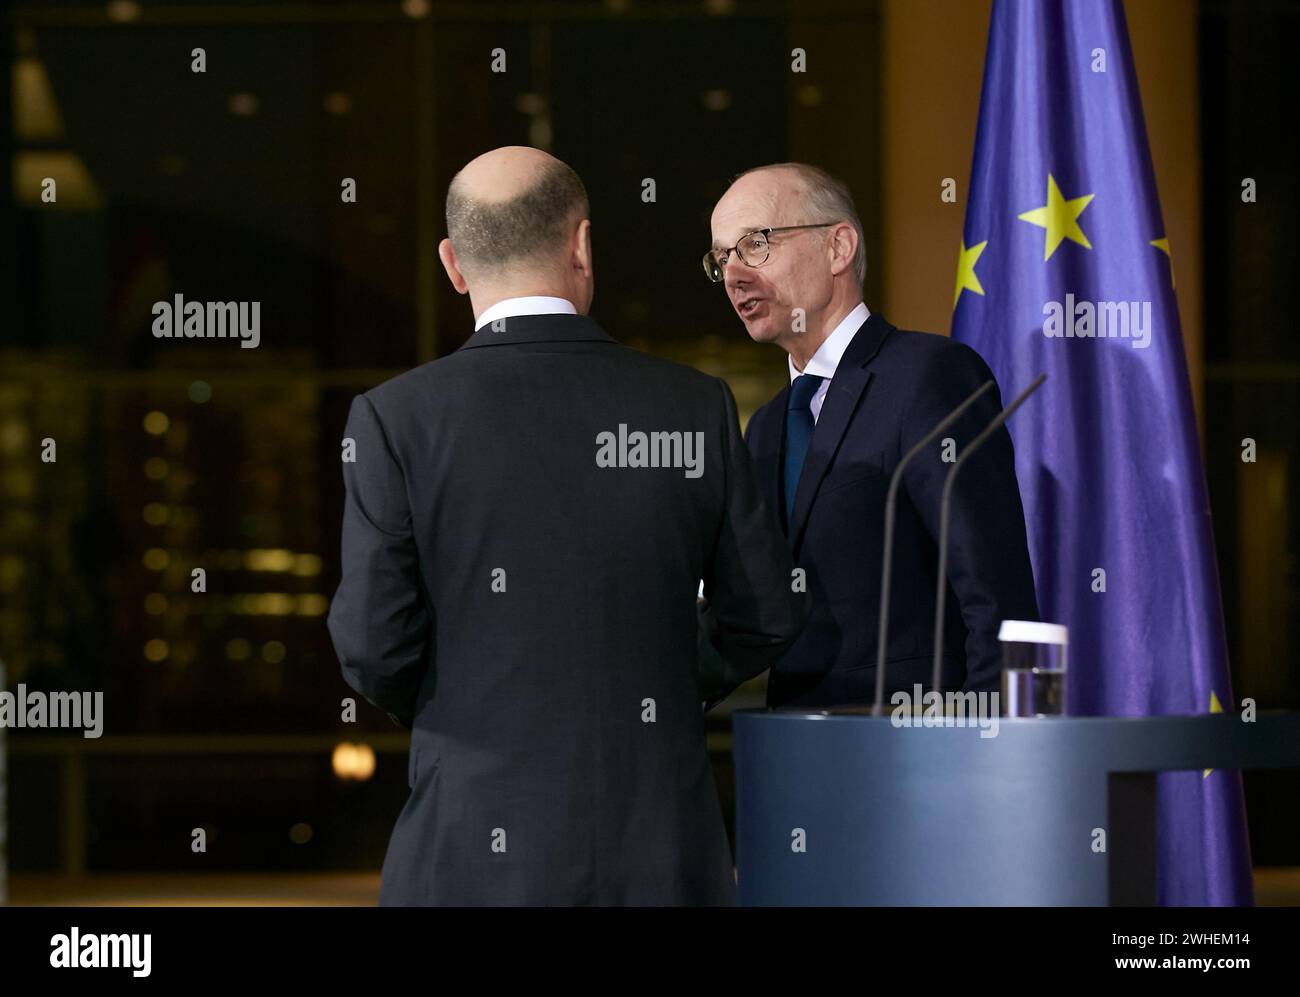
(799, 427)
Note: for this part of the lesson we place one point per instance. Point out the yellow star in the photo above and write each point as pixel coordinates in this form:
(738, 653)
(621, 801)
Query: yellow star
(1060, 217)
(966, 276)
(1215, 707)
(1162, 244)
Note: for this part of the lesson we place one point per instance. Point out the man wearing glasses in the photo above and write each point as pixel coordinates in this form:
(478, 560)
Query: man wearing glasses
(788, 251)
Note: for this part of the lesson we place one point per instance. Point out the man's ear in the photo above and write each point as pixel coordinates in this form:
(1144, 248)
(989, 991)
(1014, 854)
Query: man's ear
(844, 243)
(582, 248)
(448, 257)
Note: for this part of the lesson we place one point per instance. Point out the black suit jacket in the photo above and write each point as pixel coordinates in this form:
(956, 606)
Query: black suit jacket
(532, 616)
(889, 390)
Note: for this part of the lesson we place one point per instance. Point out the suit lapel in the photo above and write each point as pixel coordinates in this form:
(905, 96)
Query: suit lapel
(847, 387)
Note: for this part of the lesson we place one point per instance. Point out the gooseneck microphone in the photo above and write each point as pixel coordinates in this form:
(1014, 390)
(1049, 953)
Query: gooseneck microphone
(945, 508)
(886, 567)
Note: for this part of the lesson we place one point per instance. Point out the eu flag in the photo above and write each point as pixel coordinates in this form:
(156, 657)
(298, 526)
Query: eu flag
(1065, 267)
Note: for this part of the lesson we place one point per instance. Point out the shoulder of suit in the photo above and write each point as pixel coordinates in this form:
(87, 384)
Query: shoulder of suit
(419, 380)
(667, 368)
(416, 379)
(908, 350)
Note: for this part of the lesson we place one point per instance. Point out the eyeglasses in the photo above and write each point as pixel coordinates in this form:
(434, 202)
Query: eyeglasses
(753, 250)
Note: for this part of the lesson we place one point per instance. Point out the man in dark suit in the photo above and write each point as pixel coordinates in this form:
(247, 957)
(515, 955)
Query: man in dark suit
(526, 526)
(787, 246)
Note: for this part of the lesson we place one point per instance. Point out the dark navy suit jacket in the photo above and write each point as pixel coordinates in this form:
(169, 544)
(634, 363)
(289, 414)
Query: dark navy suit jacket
(890, 389)
(532, 616)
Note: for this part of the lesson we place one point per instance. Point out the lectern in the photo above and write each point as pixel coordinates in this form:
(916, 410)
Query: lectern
(838, 807)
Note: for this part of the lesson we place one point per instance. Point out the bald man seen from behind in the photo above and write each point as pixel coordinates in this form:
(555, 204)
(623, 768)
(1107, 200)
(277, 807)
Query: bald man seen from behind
(526, 527)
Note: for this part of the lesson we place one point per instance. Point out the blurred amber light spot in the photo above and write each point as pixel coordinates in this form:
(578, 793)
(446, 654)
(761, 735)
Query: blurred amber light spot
(275, 559)
(716, 100)
(337, 103)
(810, 95)
(122, 10)
(313, 604)
(307, 565)
(243, 104)
(354, 761)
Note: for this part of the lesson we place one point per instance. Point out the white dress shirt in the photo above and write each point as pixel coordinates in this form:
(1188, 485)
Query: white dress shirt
(537, 304)
(827, 357)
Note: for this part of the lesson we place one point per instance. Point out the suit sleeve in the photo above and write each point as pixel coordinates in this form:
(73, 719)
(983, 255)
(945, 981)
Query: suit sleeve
(750, 615)
(379, 619)
(988, 556)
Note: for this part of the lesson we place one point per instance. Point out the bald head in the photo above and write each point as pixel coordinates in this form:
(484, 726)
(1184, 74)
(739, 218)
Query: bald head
(513, 211)
(814, 194)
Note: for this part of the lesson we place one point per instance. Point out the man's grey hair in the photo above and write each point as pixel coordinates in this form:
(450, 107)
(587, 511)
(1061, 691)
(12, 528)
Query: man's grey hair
(526, 231)
(825, 199)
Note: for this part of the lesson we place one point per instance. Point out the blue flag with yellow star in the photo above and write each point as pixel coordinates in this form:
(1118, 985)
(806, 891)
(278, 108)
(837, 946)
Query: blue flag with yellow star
(1064, 267)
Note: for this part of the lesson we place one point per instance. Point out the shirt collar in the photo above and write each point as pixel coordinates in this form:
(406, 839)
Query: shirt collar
(536, 304)
(827, 357)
